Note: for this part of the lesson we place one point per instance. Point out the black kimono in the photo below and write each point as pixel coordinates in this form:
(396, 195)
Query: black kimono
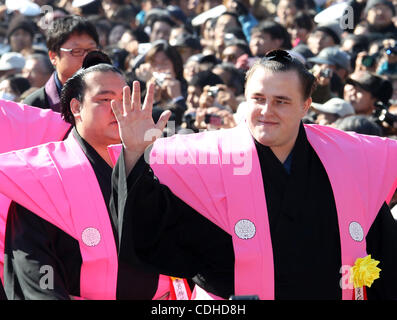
(32, 243)
(172, 238)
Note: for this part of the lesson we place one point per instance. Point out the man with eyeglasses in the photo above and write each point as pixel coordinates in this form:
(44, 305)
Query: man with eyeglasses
(68, 42)
(271, 208)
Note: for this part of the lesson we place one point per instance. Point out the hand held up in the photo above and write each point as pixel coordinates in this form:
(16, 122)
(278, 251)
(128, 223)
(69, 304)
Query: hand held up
(136, 126)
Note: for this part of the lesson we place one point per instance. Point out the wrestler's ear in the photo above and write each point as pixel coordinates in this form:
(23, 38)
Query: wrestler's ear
(306, 105)
(75, 107)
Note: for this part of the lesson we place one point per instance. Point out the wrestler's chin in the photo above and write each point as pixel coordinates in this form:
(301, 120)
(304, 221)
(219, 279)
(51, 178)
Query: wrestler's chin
(266, 137)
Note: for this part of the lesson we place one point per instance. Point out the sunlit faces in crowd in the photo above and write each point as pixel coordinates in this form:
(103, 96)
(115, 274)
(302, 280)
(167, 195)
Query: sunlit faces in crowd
(319, 40)
(380, 15)
(261, 42)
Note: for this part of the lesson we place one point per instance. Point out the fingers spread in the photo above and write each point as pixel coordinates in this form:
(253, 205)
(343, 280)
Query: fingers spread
(148, 104)
(136, 96)
(117, 109)
(162, 122)
(126, 99)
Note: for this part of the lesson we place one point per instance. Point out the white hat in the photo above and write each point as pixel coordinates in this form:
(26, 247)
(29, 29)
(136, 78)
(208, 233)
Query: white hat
(336, 106)
(25, 7)
(11, 60)
(214, 12)
(332, 13)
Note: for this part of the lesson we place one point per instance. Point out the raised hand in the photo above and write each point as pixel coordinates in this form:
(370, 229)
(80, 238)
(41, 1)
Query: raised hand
(136, 126)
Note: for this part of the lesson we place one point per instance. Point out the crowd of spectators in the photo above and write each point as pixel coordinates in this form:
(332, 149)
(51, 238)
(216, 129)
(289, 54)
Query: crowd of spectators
(198, 51)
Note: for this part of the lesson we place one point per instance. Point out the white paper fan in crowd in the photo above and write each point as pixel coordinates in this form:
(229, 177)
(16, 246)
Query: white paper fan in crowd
(25, 7)
(332, 13)
(211, 13)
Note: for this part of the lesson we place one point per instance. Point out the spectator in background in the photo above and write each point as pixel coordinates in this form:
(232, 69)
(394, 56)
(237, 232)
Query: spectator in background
(299, 28)
(116, 33)
(131, 39)
(231, 77)
(387, 64)
(179, 31)
(324, 35)
(196, 86)
(209, 4)
(359, 124)
(187, 46)
(110, 7)
(353, 44)
(223, 22)
(364, 89)
(160, 28)
(125, 14)
(68, 42)
(163, 65)
(38, 69)
(332, 110)
(11, 63)
(331, 68)
(103, 28)
(196, 63)
(177, 15)
(379, 14)
(207, 35)
(242, 9)
(234, 49)
(267, 36)
(287, 9)
(146, 6)
(20, 35)
(12, 87)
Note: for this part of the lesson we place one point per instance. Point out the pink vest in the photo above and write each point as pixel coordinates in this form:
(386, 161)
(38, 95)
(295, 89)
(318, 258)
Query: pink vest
(227, 188)
(23, 126)
(45, 179)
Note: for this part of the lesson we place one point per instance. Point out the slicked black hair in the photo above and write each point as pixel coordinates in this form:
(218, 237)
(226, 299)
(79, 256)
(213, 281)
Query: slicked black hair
(282, 61)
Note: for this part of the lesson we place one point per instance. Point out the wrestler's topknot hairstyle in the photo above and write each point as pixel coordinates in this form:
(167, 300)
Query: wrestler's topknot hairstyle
(74, 88)
(282, 61)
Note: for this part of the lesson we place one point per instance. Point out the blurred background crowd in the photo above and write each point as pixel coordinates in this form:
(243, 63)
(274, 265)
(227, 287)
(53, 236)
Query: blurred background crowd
(199, 50)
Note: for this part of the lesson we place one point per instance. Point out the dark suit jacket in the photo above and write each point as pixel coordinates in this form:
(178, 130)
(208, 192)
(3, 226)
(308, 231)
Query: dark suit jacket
(46, 97)
(38, 99)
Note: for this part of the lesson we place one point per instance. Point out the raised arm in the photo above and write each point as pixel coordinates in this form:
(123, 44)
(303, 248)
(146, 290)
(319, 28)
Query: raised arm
(136, 126)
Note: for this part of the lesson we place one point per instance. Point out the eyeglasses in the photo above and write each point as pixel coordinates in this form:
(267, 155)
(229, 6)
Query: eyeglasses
(78, 52)
(278, 55)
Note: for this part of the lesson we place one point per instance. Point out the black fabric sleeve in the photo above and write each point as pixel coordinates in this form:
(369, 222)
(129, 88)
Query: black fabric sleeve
(2, 293)
(33, 269)
(382, 246)
(163, 232)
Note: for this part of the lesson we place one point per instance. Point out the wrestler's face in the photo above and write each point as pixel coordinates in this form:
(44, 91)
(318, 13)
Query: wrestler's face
(276, 107)
(94, 118)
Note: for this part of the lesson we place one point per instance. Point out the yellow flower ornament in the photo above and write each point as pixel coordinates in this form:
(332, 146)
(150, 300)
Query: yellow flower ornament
(364, 272)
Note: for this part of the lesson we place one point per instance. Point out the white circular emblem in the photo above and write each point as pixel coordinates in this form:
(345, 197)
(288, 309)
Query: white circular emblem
(356, 231)
(91, 237)
(245, 229)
